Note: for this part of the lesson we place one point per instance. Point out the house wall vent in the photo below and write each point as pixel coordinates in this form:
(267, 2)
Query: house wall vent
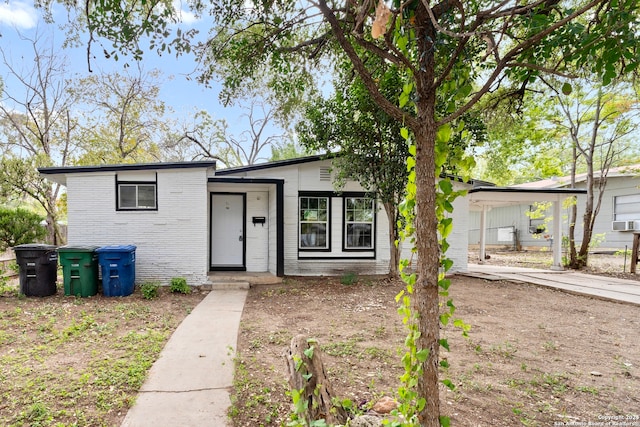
(325, 174)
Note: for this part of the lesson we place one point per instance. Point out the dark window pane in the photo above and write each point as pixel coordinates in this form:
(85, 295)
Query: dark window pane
(313, 235)
(350, 203)
(127, 196)
(359, 236)
(147, 196)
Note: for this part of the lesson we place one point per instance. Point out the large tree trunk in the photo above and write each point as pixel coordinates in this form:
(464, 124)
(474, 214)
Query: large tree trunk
(395, 249)
(573, 215)
(587, 221)
(425, 300)
(426, 297)
(53, 231)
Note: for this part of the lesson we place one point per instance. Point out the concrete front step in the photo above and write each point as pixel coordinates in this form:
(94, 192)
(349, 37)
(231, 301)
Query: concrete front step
(219, 285)
(243, 276)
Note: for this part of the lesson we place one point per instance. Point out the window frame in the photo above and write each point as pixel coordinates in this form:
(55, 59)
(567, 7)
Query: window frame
(536, 225)
(327, 223)
(345, 223)
(628, 216)
(136, 184)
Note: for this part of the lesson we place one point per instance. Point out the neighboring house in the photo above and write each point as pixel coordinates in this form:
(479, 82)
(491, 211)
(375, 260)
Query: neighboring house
(513, 227)
(187, 219)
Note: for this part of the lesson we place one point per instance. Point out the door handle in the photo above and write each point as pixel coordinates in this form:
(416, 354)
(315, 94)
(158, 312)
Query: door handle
(240, 238)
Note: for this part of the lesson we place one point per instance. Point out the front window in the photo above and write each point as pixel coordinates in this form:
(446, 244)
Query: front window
(359, 214)
(313, 218)
(137, 196)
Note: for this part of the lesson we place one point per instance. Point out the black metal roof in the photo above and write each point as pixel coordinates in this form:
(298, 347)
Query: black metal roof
(126, 167)
(525, 190)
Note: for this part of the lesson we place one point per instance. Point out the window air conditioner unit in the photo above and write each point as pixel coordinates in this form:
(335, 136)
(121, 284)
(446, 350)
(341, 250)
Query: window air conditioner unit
(624, 225)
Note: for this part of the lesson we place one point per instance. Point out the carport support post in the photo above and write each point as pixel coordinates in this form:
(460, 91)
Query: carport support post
(483, 233)
(634, 252)
(557, 237)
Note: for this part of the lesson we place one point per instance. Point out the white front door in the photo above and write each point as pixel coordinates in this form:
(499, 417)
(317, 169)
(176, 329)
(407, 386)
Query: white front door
(227, 231)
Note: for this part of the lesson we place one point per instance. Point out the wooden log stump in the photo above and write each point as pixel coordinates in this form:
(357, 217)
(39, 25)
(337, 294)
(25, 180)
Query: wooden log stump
(306, 373)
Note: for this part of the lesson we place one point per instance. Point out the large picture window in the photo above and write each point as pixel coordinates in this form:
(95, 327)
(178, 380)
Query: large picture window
(314, 225)
(359, 216)
(137, 196)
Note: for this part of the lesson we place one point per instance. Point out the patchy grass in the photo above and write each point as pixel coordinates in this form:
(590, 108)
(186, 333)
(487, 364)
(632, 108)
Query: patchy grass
(67, 361)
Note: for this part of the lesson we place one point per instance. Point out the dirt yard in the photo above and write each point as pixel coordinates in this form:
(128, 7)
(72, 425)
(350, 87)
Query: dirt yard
(67, 361)
(534, 356)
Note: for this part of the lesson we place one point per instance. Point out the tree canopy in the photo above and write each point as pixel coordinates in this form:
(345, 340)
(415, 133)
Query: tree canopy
(450, 55)
(370, 146)
(37, 127)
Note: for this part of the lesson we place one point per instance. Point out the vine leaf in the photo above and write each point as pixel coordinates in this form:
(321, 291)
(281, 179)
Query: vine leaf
(309, 352)
(422, 355)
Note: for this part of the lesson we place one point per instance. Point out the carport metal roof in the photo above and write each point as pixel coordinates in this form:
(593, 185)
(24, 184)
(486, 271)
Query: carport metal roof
(484, 198)
(505, 196)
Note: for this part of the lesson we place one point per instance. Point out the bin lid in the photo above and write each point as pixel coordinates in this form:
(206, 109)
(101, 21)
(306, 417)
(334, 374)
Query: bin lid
(79, 248)
(34, 247)
(116, 248)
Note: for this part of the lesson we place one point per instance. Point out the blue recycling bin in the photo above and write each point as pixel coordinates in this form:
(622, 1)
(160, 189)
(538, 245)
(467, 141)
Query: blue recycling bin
(118, 267)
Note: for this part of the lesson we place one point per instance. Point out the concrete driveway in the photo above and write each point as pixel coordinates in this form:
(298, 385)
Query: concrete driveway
(610, 288)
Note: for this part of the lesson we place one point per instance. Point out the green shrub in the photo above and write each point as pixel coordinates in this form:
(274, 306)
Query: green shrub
(149, 290)
(179, 284)
(19, 226)
(349, 278)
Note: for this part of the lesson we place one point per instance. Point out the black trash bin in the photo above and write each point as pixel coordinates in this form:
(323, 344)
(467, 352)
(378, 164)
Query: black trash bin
(38, 269)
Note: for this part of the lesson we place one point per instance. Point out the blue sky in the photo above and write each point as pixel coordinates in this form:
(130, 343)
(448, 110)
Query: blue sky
(184, 96)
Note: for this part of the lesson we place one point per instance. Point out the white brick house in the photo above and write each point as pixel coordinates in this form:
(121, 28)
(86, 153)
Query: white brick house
(187, 219)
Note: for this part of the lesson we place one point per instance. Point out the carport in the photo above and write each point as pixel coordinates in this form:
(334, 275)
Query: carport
(485, 198)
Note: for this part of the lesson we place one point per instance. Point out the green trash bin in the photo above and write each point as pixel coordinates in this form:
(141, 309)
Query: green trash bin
(79, 270)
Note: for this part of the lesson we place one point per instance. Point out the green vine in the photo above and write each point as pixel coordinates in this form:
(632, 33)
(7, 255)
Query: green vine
(300, 415)
(410, 403)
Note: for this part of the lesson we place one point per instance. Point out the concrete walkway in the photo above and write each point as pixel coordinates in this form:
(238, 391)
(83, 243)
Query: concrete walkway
(190, 382)
(610, 288)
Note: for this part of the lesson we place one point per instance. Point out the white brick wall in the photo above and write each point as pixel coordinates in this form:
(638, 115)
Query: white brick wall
(459, 238)
(174, 240)
(171, 242)
(305, 177)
